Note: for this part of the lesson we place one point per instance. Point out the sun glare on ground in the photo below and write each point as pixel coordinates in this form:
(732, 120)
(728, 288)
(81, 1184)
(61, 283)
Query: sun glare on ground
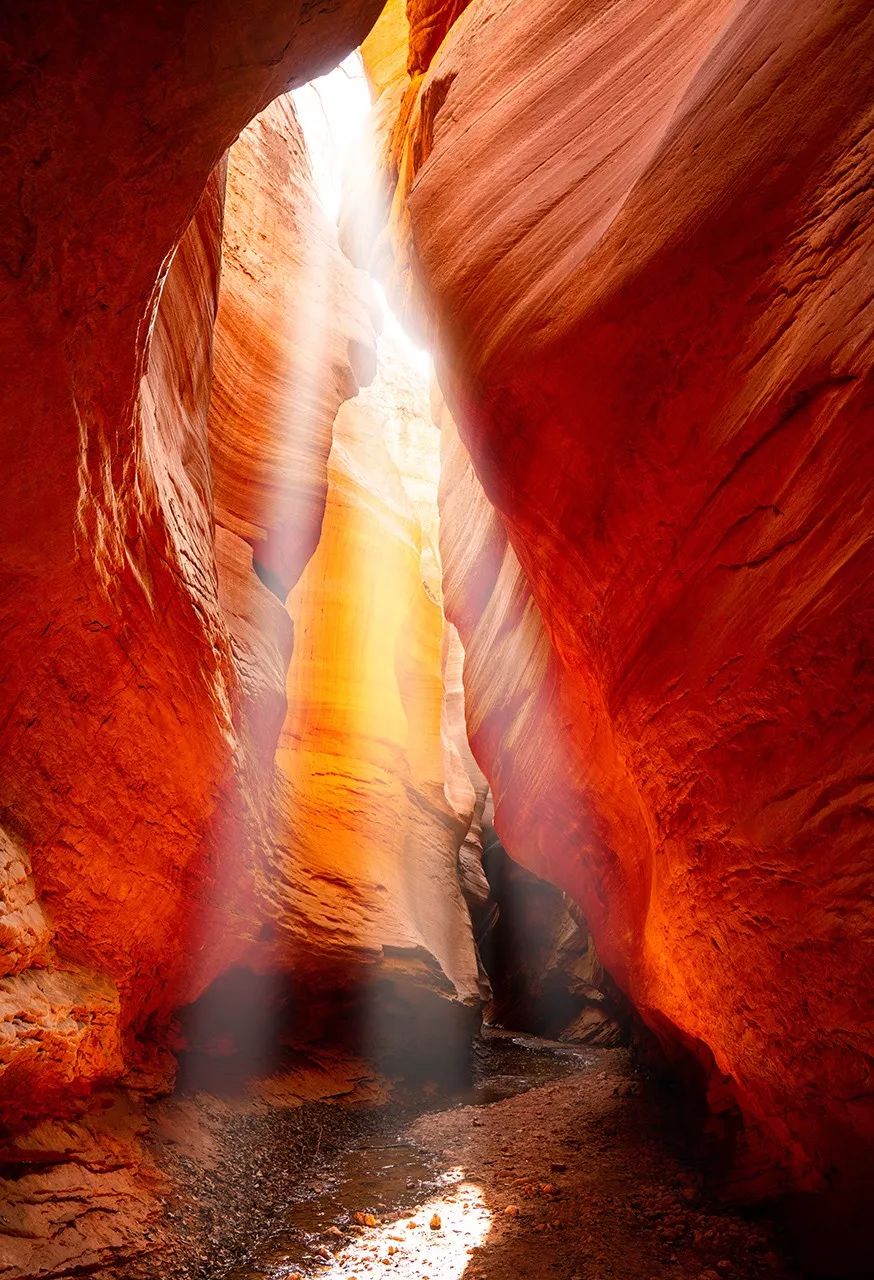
(435, 1240)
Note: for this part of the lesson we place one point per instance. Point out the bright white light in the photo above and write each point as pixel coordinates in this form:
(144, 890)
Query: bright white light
(396, 336)
(335, 115)
(333, 112)
(408, 1247)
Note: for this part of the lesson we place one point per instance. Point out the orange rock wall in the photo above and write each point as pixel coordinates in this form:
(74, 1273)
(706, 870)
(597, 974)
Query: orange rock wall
(636, 233)
(365, 860)
(351, 870)
(121, 720)
(151, 841)
(149, 844)
(128, 779)
(294, 337)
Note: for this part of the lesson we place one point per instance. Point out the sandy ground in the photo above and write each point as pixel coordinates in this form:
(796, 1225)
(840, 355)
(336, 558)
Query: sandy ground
(574, 1179)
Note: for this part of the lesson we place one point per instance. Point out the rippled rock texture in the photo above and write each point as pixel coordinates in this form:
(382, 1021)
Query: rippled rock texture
(365, 856)
(636, 232)
(293, 340)
(121, 738)
(179, 331)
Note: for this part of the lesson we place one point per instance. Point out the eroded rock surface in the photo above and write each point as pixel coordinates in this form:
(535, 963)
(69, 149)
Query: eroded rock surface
(365, 856)
(24, 929)
(120, 695)
(146, 553)
(637, 232)
(294, 338)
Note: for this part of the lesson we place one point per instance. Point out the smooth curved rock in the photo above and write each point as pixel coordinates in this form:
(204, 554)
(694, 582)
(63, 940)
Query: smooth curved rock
(637, 232)
(120, 696)
(364, 872)
(294, 338)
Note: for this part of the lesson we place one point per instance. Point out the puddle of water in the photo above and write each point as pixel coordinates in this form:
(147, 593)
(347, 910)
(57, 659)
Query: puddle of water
(377, 1179)
(386, 1177)
(505, 1065)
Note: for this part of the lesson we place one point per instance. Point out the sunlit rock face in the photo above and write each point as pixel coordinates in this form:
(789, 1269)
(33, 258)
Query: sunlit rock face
(152, 851)
(349, 858)
(364, 876)
(121, 739)
(637, 233)
(118, 799)
(293, 339)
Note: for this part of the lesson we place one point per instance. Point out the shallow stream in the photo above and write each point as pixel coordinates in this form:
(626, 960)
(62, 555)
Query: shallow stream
(384, 1175)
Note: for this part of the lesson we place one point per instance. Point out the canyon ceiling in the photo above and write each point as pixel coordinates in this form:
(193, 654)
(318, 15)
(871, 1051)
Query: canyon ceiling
(637, 236)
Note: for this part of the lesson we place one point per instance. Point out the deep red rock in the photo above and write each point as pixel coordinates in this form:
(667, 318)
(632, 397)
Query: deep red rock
(120, 692)
(638, 234)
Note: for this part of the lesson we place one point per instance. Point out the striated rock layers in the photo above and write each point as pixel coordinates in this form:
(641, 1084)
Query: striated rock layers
(123, 765)
(637, 232)
(364, 869)
(170, 398)
(158, 857)
(293, 340)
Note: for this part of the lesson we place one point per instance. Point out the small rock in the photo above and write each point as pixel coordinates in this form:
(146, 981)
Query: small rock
(512, 1211)
(436, 1223)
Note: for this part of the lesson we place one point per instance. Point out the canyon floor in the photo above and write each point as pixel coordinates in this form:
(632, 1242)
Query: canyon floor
(557, 1162)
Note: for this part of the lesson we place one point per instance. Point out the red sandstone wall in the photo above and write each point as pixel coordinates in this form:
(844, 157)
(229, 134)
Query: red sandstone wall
(150, 841)
(121, 697)
(638, 233)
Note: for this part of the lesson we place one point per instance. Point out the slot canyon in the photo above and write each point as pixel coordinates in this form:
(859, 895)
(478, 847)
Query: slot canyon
(435, 580)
